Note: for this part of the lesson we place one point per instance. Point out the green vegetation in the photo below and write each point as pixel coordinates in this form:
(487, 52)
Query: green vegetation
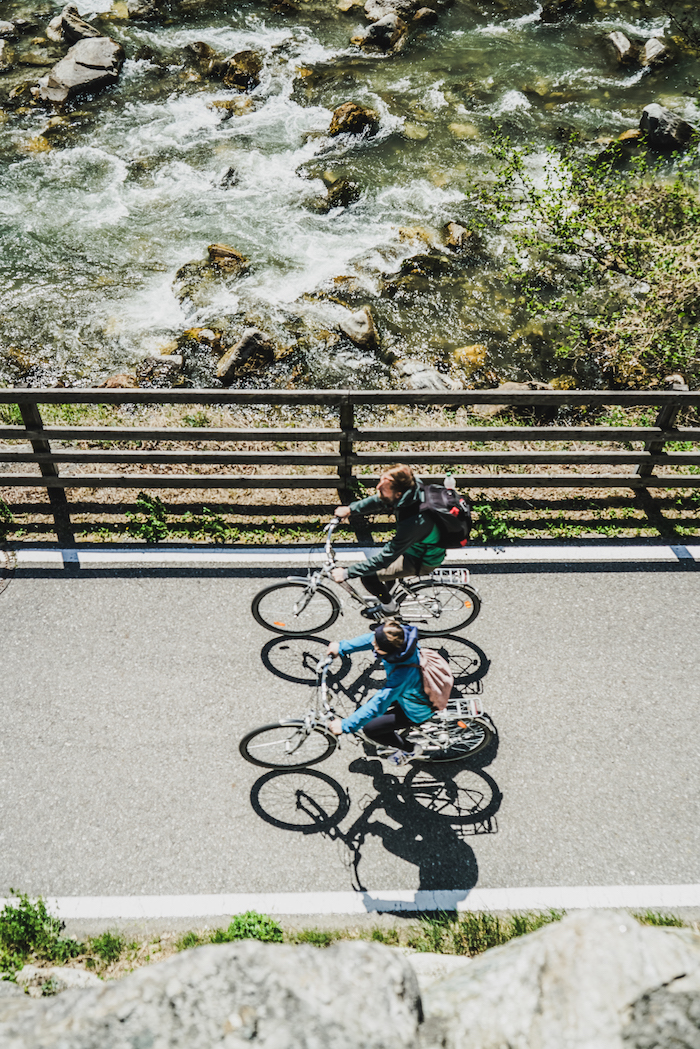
(489, 527)
(605, 254)
(152, 524)
(249, 926)
(660, 918)
(7, 520)
(106, 948)
(474, 933)
(315, 937)
(27, 930)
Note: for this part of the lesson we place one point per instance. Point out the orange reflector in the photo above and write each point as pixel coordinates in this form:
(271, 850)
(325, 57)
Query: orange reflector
(276, 623)
(461, 724)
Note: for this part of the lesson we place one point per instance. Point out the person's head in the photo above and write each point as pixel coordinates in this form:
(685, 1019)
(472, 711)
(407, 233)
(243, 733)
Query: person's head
(395, 481)
(389, 638)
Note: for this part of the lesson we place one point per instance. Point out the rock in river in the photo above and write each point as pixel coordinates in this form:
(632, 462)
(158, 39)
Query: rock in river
(199, 280)
(254, 351)
(664, 129)
(351, 119)
(70, 26)
(387, 34)
(359, 328)
(90, 66)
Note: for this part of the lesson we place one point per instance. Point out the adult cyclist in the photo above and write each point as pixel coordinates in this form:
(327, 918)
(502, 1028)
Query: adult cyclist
(416, 549)
(402, 703)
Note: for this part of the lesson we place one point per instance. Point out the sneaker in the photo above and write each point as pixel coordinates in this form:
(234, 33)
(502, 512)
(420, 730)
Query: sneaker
(398, 757)
(379, 609)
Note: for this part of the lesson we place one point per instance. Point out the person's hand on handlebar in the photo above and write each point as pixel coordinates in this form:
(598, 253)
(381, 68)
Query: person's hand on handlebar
(342, 512)
(332, 650)
(336, 726)
(339, 575)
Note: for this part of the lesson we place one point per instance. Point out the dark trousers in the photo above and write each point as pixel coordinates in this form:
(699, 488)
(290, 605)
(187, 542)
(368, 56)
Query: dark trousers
(384, 729)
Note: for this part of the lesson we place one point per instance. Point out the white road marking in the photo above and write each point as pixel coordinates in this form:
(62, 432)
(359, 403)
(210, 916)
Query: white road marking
(566, 897)
(293, 557)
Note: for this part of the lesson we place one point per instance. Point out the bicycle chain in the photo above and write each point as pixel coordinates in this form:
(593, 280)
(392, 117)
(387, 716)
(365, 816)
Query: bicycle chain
(7, 568)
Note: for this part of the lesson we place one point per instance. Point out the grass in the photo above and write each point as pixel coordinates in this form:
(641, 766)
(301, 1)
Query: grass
(29, 933)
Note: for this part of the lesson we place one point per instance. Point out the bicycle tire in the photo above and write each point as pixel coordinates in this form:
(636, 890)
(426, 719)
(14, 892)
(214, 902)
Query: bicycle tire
(281, 733)
(458, 604)
(472, 743)
(277, 613)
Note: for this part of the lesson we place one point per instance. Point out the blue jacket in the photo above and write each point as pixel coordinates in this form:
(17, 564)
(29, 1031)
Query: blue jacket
(404, 684)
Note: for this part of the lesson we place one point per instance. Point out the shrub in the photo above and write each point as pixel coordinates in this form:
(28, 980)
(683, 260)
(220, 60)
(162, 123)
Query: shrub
(249, 926)
(107, 947)
(27, 929)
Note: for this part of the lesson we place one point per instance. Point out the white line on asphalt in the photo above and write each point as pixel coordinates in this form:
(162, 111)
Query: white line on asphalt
(567, 897)
(293, 557)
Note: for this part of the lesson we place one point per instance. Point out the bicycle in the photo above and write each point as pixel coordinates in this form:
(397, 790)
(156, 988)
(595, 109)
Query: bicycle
(460, 731)
(440, 603)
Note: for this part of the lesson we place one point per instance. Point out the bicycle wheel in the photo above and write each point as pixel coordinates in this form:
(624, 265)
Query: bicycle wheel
(287, 745)
(471, 740)
(439, 608)
(295, 609)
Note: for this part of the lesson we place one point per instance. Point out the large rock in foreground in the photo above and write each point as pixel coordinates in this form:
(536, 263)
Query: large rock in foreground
(275, 996)
(89, 66)
(572, 985)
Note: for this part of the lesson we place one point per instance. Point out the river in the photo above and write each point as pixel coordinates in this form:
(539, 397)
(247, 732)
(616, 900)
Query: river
(100, 209)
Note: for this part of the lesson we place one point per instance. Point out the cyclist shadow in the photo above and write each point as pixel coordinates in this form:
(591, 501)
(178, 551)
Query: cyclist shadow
(424, 818)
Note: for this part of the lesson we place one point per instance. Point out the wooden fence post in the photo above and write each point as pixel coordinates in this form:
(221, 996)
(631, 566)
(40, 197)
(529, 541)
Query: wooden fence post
(347, 424)
(664, 420)
(31, 417)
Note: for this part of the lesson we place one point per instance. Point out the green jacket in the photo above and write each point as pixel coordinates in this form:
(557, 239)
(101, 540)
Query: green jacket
(417, 535)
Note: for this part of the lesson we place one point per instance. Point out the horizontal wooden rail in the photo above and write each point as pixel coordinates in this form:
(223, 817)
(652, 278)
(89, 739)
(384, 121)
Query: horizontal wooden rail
(345, 451)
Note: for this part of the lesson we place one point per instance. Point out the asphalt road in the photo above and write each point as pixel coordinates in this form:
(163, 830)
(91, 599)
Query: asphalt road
(123, 697)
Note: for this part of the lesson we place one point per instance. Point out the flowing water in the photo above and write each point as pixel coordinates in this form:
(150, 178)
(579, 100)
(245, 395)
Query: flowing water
(99, 210)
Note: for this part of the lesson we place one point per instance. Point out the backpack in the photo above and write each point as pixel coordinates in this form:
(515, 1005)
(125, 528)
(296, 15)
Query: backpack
(438, 680)
(451, 513)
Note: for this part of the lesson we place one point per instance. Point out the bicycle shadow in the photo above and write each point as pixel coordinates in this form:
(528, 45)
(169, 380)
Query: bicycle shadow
(351, 681)
(424, 819)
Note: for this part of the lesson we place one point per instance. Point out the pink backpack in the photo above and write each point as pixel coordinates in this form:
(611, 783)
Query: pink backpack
(438, 680)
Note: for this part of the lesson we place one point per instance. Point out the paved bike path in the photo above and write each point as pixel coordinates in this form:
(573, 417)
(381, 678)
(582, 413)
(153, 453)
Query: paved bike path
(123, 697)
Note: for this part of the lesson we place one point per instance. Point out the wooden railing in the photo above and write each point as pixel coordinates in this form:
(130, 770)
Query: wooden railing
(342, 466)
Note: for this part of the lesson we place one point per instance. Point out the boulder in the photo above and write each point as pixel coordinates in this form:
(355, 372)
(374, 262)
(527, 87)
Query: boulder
(664, 129)
(36, 981)
(359, 328)
(89, 66)
(422, 376)
(159, 371)
(69, 26)
(241, 70)
(626, 52)
(122, 381)
(142, 10)
(378, 9)
(199, 280)
(254, 351)
(471, 357)
(386, 34)
(667, 1018)
(227, 259)
(653, 53)
(351, 119)
(342, 193)
(426, 16)
(7, 56)
(276, 996)
(230, 178)
(455, 237)
(7, 29)
(571, 984)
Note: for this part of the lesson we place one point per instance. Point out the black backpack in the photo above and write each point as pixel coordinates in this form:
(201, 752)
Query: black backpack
(451, 513)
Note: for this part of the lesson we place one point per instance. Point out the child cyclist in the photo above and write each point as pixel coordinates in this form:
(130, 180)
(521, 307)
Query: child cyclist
(399, 706)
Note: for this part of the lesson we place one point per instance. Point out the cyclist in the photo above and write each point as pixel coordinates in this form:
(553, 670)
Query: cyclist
(416, 549)
(399, 706)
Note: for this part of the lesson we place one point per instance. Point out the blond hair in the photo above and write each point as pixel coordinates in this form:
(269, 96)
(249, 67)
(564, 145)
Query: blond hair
(401, 477)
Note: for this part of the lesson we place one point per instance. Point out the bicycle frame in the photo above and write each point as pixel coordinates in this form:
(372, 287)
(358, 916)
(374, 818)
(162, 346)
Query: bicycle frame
(314, 580)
